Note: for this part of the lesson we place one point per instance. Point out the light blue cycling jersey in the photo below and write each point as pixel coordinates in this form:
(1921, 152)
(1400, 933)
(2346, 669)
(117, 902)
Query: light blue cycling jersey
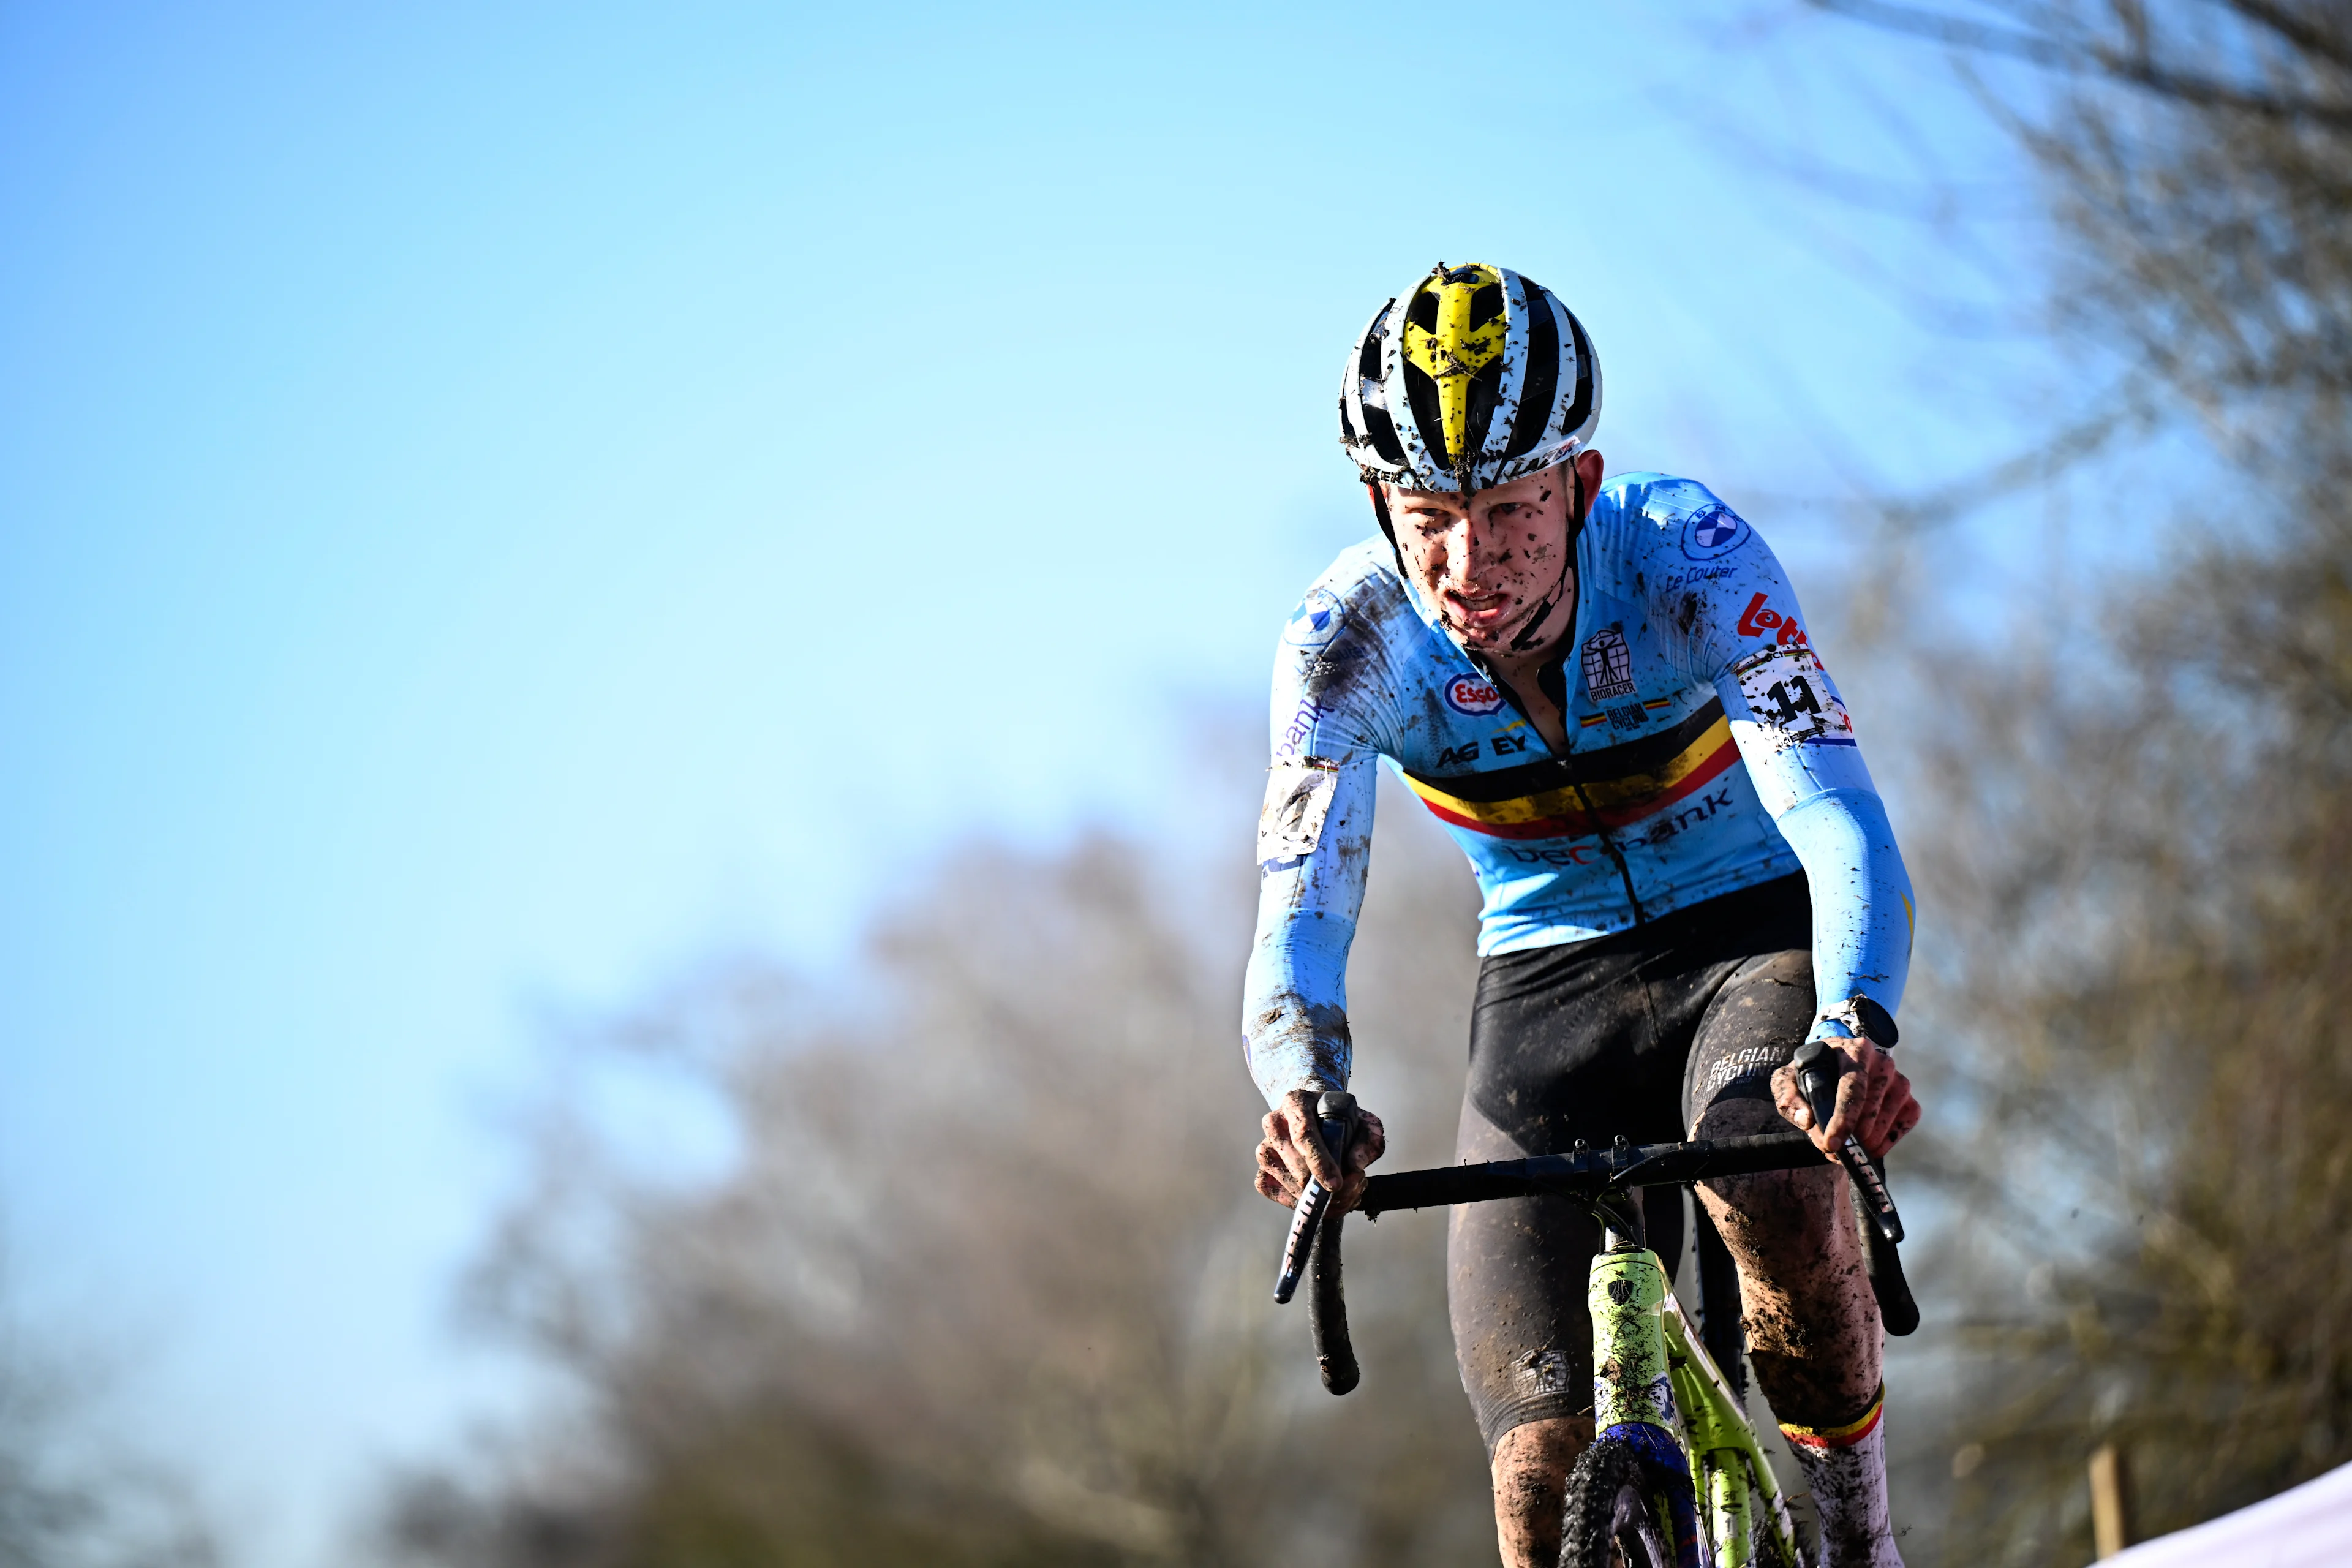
(1688, 659)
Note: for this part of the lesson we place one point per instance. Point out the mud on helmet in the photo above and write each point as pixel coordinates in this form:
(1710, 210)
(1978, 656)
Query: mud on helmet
(1472, 378)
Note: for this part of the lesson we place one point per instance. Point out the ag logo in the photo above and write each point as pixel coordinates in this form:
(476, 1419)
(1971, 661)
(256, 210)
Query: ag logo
(1473, 695)
(1608, 664)
(1717, 531)
(1316, 621)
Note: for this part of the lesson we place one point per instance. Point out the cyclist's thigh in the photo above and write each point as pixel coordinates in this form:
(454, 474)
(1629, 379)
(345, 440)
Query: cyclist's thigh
(1774, 1221)
(1565, 1043)
(1752, 1027)
(1515, 1278)
(1568, 1042)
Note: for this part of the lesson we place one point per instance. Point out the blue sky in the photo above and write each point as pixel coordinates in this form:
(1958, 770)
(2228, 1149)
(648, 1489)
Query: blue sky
(499, 501)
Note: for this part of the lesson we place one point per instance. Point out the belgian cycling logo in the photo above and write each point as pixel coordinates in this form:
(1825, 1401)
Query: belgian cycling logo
(1717, 531)
(1608, 664)
(1316, 621)
(1473, 695)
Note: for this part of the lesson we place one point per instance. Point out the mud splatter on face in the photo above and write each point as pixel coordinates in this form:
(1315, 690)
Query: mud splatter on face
(1488, 562)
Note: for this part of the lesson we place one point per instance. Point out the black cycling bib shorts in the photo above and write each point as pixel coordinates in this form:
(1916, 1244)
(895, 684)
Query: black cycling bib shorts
(1669, 1030)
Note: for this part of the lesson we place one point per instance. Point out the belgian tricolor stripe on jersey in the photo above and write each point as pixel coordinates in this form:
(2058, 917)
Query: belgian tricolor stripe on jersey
(1578, 794)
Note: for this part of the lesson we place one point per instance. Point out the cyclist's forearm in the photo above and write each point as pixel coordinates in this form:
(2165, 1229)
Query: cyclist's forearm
(1862, 908)
(1299, 1045)
(1294, 995)
(1311, 868)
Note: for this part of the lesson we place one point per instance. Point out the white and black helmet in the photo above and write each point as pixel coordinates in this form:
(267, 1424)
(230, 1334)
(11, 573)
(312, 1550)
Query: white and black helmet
(1471, 378)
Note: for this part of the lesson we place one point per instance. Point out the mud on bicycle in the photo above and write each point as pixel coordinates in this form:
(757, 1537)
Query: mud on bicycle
(1675, 1477)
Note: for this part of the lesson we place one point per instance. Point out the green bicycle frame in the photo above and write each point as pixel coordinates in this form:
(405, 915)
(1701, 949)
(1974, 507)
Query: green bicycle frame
(1648, 1366)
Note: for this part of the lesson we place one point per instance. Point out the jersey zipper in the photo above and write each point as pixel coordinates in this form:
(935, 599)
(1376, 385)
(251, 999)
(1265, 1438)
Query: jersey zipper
(1556, 668)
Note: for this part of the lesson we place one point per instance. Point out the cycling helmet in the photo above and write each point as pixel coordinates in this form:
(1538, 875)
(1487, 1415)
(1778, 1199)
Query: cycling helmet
(1471, 378)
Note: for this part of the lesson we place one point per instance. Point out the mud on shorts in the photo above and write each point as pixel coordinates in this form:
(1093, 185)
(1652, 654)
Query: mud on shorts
(1671, 1030)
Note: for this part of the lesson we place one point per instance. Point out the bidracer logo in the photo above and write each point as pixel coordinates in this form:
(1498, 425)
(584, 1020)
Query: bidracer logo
(1473, 695)
(1608, 664)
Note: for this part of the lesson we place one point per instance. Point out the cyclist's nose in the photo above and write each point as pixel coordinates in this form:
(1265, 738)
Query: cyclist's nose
(1471, 554)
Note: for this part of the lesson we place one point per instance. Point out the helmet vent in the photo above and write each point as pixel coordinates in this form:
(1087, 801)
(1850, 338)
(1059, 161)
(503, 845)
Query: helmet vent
(1542, 384)
(1486, 305)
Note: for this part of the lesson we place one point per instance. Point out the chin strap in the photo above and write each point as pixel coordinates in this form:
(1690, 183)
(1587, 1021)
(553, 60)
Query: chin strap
(1388, 529)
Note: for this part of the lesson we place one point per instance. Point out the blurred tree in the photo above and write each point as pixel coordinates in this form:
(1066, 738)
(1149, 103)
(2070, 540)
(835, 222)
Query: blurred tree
(68, 1498)
(2138, 862)
(986, 1282)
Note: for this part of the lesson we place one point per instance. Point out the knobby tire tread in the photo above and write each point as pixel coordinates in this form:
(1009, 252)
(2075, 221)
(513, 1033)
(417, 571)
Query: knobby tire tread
(1605, 1471)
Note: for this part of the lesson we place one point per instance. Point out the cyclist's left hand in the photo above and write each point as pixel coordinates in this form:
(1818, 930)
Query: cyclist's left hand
(1874, 1101)
(1291, 1151)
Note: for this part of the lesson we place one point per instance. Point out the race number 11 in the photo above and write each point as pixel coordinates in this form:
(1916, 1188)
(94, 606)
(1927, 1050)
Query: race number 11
(1789, 694)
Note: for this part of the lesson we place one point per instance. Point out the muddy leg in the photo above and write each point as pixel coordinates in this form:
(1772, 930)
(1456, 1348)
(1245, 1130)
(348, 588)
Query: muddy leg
(1814, 1334)
(1812, 1324)
(1530, 1470)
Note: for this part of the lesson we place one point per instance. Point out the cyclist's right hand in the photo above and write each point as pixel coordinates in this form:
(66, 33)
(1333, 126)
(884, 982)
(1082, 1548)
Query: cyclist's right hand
(1291, 1151)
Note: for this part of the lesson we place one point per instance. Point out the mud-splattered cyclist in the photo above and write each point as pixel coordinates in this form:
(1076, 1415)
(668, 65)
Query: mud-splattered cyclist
(1605, 688)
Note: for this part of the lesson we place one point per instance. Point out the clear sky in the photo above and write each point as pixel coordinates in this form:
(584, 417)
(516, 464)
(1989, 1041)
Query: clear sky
(498, 499)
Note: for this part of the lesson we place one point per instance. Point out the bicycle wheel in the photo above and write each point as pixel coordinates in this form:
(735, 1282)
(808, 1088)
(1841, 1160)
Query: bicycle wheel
(1623, 1511)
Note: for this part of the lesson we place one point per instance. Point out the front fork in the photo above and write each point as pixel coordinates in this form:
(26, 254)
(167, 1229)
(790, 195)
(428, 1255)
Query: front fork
(1655, 1387)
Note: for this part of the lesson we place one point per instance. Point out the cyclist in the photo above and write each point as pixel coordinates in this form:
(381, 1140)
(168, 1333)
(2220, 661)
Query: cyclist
(1607, 693)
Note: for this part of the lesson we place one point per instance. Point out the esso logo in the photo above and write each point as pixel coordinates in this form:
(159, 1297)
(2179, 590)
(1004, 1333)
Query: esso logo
(1473, 695)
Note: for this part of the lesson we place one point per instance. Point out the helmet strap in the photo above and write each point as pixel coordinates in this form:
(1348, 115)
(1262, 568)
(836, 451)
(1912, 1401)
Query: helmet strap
(1527, 637)
(1388, 529)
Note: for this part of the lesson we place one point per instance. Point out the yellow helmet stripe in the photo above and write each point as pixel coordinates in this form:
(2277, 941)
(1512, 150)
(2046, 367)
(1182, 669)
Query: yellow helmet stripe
(1452, 353)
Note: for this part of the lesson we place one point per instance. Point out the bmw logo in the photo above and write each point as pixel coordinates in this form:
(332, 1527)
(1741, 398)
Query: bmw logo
(1718, 531)
(1316, 621)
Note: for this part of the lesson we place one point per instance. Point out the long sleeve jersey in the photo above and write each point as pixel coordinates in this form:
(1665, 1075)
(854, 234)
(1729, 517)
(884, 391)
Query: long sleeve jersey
(1708, 752)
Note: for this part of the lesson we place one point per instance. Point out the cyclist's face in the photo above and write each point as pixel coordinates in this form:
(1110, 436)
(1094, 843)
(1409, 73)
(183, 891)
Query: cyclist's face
(1489, 562)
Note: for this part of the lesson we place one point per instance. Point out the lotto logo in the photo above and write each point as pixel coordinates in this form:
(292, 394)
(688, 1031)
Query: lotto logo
(1472, 695)
(1757, 620)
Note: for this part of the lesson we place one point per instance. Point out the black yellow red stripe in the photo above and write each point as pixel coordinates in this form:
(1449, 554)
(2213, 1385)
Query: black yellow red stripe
(1844, 1436)
(1576, 795)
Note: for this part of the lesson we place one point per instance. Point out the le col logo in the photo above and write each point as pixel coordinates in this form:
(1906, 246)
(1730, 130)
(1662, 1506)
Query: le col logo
(1473, 695)
(1757, 620)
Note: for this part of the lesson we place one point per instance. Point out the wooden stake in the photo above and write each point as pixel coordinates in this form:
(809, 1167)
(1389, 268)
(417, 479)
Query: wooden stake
(2110, 1502)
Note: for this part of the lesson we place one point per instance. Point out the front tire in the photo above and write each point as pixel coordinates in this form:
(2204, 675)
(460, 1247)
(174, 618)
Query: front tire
(1619, 1511)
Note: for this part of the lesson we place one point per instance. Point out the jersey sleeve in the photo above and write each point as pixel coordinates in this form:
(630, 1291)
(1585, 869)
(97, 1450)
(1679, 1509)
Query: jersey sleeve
(1747, 637)
(1314, 844)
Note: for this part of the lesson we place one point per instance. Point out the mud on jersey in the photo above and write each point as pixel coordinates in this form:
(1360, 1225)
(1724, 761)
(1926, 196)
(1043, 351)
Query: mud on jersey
(1708, 751)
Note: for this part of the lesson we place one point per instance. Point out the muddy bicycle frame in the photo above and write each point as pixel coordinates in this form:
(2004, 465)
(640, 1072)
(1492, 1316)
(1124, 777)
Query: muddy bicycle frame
(1654, 1382)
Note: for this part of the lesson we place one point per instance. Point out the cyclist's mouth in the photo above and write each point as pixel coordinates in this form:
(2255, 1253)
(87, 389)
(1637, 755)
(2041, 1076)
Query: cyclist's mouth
(1482, 612)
